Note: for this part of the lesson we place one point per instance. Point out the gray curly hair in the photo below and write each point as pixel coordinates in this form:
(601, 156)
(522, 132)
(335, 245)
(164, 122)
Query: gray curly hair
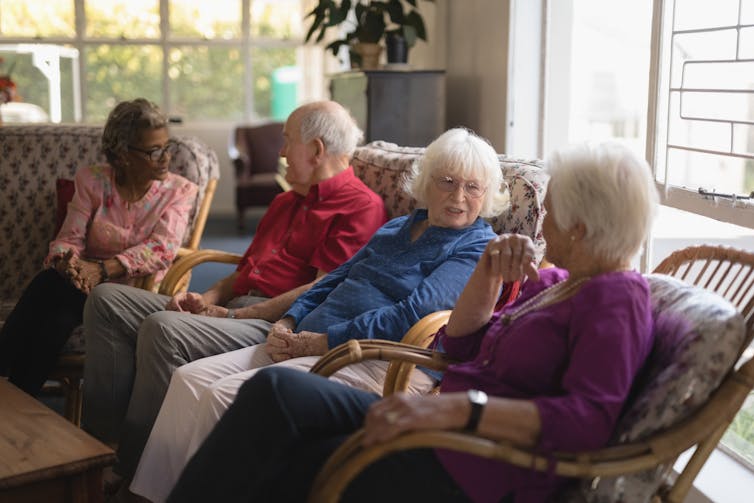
(125, 124)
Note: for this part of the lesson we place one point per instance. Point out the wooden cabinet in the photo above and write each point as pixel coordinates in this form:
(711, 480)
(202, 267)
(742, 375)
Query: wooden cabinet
(403, 107)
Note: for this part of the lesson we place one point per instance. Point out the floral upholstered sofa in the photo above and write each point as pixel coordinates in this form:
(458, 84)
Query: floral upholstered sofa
(33, 158)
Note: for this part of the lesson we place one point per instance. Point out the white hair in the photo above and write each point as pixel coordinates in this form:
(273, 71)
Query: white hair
(332, 124)
(459, 152)
(607, 188)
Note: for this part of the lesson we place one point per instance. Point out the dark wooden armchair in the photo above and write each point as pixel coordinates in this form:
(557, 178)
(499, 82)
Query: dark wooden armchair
(255, 152)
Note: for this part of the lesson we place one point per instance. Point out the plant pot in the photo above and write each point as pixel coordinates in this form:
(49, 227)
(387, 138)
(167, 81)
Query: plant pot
(370, 55)
(397, 48)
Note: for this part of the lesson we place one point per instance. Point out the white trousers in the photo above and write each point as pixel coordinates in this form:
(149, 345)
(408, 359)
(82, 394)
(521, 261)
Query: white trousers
(202, 390)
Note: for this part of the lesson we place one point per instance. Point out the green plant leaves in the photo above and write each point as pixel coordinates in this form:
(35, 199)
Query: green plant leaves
(370, 18)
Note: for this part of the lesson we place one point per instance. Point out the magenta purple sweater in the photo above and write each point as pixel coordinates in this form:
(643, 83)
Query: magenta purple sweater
(575, 360)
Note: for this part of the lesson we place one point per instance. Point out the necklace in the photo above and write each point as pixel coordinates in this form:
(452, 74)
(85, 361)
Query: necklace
(551, 295)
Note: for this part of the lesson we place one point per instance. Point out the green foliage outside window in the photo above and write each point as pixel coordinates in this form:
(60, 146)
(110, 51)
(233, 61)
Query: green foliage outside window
(206, 82)
(121, 72)
(740, 435)
(205, 79)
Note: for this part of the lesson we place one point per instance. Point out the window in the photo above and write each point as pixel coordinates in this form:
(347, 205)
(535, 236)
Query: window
(225, 60)
(702, 146)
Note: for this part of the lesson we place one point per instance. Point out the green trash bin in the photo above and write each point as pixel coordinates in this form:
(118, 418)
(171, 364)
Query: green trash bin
(285, 82)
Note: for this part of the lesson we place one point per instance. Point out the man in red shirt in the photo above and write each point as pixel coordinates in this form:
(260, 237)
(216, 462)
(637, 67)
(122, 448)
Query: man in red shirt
(136, 339)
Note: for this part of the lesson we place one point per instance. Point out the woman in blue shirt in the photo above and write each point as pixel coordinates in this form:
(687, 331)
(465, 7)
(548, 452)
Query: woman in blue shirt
(413, 265)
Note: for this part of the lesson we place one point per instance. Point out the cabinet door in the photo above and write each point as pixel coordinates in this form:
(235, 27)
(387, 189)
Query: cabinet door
(407, 108)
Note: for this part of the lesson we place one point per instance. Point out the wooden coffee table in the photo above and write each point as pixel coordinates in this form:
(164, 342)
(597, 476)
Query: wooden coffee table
(43, 457)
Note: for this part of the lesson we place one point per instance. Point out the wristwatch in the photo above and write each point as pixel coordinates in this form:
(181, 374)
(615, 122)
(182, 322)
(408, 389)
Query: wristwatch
(231, 314)
(477, 399)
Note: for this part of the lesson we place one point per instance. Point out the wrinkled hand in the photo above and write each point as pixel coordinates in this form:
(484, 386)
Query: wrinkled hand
(187, 301)
(401, 412)
(83, 274)
(283, 343)
(512, 257)
(61, 264)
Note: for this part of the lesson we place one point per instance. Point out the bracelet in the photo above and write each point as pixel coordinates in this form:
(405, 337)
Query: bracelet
(231, 314)
(103, 270)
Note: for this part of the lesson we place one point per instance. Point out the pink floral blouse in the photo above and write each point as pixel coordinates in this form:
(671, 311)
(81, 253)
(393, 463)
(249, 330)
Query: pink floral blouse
(144, 235)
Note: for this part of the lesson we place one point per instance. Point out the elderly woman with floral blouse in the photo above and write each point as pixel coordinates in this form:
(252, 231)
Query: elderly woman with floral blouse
(126, 219)
(550, 371)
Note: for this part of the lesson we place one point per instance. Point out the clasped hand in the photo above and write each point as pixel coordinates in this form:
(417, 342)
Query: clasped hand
(83, 274)
(283, 343)
(194, 303)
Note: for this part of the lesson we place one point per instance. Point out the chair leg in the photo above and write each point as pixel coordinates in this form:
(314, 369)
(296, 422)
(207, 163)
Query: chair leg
(73, 399)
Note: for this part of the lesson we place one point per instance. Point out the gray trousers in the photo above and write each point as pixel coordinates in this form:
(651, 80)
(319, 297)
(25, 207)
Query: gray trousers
(132, 348)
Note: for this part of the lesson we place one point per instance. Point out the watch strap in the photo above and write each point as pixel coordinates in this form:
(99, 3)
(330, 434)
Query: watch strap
(477, 400)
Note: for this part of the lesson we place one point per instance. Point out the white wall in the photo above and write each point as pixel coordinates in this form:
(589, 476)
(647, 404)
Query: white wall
(476, 34)
(216, 136)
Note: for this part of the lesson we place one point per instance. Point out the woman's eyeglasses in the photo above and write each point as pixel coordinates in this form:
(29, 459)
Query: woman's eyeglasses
(156, 154)
(450, 184)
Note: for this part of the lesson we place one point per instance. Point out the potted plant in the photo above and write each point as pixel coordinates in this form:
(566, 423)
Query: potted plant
(369, 21)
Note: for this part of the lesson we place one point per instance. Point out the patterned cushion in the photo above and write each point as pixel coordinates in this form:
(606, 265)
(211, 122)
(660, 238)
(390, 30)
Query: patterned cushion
(698, 336)
(383, 166)
(32, 158)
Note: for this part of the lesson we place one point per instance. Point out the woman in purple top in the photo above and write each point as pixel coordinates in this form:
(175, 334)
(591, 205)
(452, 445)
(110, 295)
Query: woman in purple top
(549, 372)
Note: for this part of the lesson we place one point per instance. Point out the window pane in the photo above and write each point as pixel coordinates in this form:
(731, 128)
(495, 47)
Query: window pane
(206, 83)
(276, 81)
(53, 71)
(710, 101)
(121, 72)
(276, 18)
(207, 20)
(37, 18)
(123, 18)
(695, 14)
(596, 90)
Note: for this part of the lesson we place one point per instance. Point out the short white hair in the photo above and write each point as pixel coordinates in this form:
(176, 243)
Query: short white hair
(332, 124)
(607, 188)
(459, 152)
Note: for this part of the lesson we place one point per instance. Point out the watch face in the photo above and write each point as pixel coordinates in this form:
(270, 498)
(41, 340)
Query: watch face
(476, 396)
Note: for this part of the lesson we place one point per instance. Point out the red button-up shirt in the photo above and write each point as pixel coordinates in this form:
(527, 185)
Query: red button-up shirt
(300, 234)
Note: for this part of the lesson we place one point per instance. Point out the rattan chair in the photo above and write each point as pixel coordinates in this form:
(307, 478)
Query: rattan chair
(725, 271)
(199, 164)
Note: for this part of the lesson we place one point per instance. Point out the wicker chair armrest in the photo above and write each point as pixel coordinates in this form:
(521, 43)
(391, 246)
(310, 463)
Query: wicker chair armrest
(702, 429)
(358, 350)
(421, 335)
(171, 283)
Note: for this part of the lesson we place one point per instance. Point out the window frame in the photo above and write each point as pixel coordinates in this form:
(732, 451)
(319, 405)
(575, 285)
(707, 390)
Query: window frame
(310, 61)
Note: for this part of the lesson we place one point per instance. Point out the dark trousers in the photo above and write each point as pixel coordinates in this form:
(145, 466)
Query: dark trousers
(37, 328)
(275, 437)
